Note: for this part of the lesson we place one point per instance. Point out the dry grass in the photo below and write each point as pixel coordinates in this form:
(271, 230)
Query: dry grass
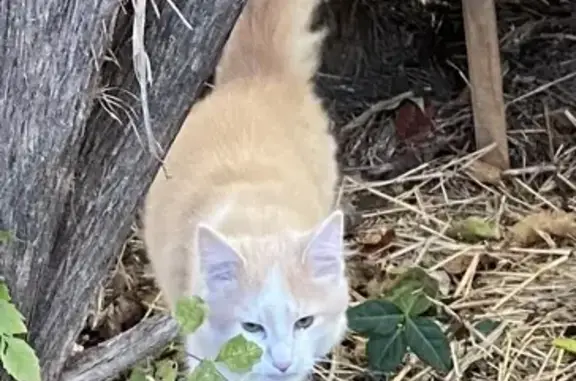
(406, 194)
(530, 289)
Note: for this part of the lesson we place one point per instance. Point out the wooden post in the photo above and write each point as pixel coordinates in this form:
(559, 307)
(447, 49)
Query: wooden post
(486, 80)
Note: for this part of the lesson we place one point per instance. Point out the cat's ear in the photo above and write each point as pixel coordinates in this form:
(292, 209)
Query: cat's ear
(325, 250)
(220, 264)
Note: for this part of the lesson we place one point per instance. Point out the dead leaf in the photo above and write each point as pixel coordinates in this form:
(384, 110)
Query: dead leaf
(359, 350)
(485, 172)
(444, 282)
(371, 237)
(458, 265)
(473, 229)
(556, 223)
(375, 239)
(375, 288)
(414, 119)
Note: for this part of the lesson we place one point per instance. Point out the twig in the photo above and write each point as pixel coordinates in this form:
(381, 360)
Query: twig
(548, 267)
(530, 170)
(108, 359)
(143, 72)
(541, 88)
(387, 104)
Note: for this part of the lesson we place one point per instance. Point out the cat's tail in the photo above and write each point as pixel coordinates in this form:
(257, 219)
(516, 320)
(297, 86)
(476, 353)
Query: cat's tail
(273, 38)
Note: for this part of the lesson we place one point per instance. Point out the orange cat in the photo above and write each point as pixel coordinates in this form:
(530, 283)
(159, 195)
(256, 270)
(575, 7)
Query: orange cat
(246, 217)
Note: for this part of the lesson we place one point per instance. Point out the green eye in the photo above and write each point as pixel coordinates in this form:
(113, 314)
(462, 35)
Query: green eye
(305, 322)
(252, 327)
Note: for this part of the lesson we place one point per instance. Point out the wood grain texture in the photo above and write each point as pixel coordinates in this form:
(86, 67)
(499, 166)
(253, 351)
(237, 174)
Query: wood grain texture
(486, 80)
(110, 358)
(71, 175)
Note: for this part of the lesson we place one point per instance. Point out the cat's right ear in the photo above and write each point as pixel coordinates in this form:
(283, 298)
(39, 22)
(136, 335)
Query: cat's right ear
(220, 264)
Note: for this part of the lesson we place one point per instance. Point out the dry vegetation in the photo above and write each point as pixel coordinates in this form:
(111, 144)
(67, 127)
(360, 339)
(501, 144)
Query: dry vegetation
(411, 173)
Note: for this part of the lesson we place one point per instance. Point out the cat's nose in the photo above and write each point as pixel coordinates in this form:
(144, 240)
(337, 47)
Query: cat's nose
(282, 365)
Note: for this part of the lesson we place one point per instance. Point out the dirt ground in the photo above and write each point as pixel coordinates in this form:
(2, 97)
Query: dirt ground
(394, 81)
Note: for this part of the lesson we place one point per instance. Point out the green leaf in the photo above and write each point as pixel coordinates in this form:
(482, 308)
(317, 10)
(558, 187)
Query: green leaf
(427, 341)
(138, 374)
(473, 229)
(5, 236)
(166, 370)
(19, 360)
(486, 326)
(206, 371)
(239, 354)
(4, 292)
(11, 320)
(385, 353)
(566, 344)
(411, 291)
(375, 317)
(190, 313)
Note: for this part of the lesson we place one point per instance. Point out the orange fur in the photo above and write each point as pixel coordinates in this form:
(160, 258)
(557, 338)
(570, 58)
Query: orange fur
(254, 159)
(272, 38)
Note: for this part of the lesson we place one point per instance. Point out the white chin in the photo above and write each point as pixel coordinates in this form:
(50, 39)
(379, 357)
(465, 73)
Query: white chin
(287, 377)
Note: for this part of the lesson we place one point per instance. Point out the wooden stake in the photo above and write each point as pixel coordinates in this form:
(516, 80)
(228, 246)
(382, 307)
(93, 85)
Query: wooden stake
(486, 80)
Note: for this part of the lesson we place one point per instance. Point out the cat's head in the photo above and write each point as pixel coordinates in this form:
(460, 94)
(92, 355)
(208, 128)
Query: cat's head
(286, 293)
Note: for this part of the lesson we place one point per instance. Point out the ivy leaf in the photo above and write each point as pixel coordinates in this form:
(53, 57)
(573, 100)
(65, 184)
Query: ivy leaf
(11, 320)
(486, 326)
(19, 360)
(429, 343)
(190, 314)
(138, 374)
(411, 291)
(166, 370)
(239, 354)
(206, 371)
(4, 292)
(375, 317)
(385, 353)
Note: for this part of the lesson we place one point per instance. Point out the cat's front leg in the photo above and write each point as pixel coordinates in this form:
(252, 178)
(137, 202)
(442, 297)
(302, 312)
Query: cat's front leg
(191, 349)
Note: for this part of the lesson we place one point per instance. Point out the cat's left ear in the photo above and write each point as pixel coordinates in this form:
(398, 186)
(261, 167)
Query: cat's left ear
(220, 264)
(325, 251)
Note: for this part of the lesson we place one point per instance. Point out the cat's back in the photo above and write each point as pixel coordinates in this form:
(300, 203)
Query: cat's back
(247, 133)
(247, 126)
(252, 111)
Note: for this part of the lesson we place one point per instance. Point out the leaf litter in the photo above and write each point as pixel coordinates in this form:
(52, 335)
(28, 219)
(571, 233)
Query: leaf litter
(557, 223)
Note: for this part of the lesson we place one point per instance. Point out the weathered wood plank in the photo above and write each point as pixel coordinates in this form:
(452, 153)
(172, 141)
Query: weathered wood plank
(486, 80)
(71, 174)
(122, 352)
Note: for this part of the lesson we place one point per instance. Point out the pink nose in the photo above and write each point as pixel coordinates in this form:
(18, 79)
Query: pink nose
(282, 366)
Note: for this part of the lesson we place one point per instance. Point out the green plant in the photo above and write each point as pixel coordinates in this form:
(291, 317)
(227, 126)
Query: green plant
(395, 324)
(237, 354)
(17, 357)
(566, 344)
(473, 229)
(157, 370)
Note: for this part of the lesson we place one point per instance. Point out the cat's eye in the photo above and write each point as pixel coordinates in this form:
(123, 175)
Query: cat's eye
(304, 322)
(252, 327)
